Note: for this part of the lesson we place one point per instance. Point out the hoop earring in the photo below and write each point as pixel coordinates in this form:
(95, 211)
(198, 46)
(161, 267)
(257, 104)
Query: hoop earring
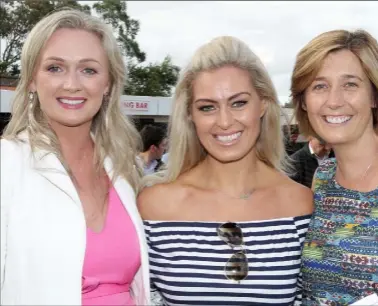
(30, 105)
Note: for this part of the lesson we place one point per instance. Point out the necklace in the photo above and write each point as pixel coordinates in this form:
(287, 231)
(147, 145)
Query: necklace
(365, 173)
(367, 170)
(243, 196)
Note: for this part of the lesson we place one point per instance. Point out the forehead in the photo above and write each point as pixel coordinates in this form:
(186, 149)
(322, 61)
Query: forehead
(222, 81)
(343, 62)
(74, 44)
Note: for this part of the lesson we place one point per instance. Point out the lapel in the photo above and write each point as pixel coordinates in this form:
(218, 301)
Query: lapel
(128, 199)
(49, 166)
(126, 194)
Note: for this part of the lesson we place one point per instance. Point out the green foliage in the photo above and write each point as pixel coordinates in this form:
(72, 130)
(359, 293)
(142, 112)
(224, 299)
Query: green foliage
(153, 79)
(17, 18)
(114, 13)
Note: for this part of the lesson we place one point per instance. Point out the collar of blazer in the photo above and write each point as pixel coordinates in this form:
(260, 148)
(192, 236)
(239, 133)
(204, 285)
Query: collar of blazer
(49, 166)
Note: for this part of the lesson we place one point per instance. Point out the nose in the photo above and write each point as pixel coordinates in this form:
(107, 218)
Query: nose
(72, 82)
(335, 98)
(225, 118)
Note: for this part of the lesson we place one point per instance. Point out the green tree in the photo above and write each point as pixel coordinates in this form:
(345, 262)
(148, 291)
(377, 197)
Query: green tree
(114, 13)
(17, 18)
(143, 80)
(153, 79)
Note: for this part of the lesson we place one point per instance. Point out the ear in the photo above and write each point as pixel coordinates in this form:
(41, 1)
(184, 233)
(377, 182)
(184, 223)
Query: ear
(107, 90)
(304, 106)
(263, 108)
(153, 148)
(32, 86)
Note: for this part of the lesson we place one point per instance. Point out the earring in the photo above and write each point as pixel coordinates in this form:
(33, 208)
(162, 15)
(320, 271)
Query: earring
(105, 102)
(30, 105)
(105, 98)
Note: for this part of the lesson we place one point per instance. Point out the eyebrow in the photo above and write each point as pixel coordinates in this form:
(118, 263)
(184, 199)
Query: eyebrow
(83, 60)
(229, 99)
(351, 76)
(344, 76)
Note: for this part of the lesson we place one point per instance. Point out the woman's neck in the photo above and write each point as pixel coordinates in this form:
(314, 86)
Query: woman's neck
(357, 160)
(235, 178)
(75, 142)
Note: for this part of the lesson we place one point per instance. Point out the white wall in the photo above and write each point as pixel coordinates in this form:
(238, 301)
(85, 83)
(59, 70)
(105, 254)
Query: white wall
(6, 97)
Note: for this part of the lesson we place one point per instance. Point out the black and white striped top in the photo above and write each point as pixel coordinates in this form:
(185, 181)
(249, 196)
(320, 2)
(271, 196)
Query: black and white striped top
(188, 259)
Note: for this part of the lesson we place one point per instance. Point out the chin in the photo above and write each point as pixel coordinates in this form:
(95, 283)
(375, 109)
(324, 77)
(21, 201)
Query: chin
(73, 122)
(335, 140)
(230, 157)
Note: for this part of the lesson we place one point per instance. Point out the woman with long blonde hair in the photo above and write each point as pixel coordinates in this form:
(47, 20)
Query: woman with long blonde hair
(70, 230)
(335, 94)
(224, 223)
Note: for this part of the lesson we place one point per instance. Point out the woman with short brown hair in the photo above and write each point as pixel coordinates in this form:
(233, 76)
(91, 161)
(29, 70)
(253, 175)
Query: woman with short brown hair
(335, 94)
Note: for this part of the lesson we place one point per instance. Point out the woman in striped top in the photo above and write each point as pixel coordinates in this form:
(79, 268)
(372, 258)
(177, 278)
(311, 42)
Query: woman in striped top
(225, 225)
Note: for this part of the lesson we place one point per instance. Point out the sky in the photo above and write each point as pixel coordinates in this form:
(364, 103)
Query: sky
(274, 30)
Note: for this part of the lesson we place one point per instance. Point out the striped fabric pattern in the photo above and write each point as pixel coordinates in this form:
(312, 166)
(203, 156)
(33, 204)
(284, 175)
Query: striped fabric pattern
(188, 259)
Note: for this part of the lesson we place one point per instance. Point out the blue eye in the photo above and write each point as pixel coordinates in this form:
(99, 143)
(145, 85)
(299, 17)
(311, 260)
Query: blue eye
(351, 84)
(206, 108)
(89, 71)
(54, 69)
(319, 86)
(239, 103)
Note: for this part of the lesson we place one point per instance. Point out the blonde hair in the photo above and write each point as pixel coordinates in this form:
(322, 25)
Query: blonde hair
(185, 150)
(309, 61)
(114, 135)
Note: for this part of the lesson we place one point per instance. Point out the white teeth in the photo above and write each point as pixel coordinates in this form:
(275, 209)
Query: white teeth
(71, 102)
(337, 119)
(228, 138)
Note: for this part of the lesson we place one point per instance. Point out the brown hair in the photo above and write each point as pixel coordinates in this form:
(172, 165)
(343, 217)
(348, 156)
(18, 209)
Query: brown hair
(311, 57)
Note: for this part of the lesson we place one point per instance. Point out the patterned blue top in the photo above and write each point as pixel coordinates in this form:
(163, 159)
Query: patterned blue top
(340, 255)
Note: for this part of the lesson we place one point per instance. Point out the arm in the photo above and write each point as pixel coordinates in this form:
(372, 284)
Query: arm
(313, 185)
(7, 170)
(146, 202)
(305, 199)
(298, 167)
(298, 297)
(4, 220)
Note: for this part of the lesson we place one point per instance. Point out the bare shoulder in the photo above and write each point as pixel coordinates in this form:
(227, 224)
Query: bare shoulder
(158, 201)
(297, 199)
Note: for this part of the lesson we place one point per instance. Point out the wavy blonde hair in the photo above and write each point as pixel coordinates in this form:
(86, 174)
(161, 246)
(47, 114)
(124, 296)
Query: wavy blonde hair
(114, 135)
(310, 59)
(185, 150)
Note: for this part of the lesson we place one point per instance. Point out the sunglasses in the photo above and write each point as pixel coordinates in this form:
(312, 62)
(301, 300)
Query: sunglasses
(236, 268)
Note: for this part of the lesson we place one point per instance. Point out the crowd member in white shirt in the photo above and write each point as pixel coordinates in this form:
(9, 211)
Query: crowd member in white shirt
(154, 145)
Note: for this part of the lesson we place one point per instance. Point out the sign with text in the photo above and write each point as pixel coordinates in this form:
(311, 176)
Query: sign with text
(139, 105)
(136, 105)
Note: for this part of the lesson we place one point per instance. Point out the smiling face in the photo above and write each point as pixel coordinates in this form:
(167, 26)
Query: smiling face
(226, 112)
(71, 77)
(339, 101)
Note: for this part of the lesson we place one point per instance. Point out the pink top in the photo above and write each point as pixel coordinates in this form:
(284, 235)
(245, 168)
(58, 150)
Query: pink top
(112, 258)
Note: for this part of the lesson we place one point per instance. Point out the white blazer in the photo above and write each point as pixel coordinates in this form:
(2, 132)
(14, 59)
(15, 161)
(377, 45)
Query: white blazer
(43, 230)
